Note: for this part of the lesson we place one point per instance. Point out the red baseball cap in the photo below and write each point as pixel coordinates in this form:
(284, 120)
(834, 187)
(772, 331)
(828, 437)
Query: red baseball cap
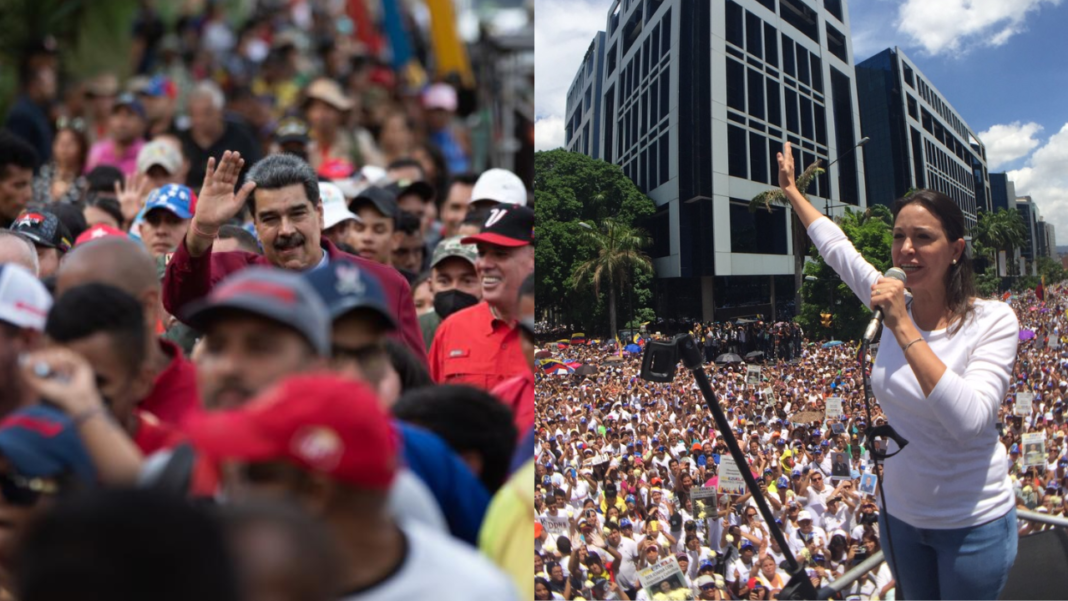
(322, 423)
(506, 226)
(100, 230)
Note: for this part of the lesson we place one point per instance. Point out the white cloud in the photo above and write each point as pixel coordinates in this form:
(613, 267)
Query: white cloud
(548, 133)
(1006, 143)
(953, 26)
(563, 30)
(1045, 179)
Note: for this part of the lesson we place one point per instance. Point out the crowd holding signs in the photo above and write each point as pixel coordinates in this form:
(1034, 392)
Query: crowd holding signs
(669, 493)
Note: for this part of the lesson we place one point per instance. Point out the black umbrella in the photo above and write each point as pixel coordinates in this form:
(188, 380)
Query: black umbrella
(754, 355)
(726, 358)
(586, 370)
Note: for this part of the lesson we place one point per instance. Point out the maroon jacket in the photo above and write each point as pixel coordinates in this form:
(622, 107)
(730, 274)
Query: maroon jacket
(189, 279)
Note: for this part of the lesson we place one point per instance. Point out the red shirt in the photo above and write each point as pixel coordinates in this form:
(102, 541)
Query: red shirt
(189, 279)
(518, 394)
(174, 395)
(474, 347)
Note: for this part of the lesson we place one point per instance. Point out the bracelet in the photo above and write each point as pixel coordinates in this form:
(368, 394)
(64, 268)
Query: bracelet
(905, 348)
(87, 415)
(201, 233)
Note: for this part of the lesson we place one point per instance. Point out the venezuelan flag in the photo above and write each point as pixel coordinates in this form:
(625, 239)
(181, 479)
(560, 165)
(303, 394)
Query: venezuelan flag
(578, 338)
(562, 344)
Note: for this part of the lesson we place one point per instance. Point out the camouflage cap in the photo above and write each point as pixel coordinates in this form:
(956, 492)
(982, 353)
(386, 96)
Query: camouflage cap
(451, 247)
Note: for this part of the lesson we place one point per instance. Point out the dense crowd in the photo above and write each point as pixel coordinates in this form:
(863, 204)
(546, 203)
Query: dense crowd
(266, 322)
(634, 501)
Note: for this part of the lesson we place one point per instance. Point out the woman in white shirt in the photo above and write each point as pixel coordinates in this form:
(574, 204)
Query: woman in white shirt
(950, 509)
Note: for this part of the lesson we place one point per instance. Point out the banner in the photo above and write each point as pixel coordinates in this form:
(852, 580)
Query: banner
(555, 525)
(665, 577)
(752, 375)
(1023, 403)
(1034, 449)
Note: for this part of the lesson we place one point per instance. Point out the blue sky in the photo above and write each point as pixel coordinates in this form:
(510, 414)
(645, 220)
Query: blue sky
(1000, 63)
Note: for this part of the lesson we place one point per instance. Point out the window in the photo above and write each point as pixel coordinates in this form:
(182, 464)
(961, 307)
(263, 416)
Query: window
(788, 56)
(771, 45)
(612, 59)
(735, 28)
(735, 85)
(665, 76)
(774, 105)
(664, 154)
(654, 112)
(756, 94)
(834, 7)
(913, 111)
(737, 155)
(817, 74)
(758, 157)
(753, 41)
(836, 43)
(792, 124)
(821, 123)
(908, 75)
(801, 17)
(665, 33)
(806, 119)
(802, 65)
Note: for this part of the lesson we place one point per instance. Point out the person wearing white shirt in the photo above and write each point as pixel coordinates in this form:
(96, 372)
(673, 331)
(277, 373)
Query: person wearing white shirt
(836, 515)
(816, 493)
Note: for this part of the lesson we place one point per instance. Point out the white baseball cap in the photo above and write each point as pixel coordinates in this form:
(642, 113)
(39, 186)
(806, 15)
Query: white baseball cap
(335, 207)
(440, 96)
(803, 515)
(24, 301)
(500, 185)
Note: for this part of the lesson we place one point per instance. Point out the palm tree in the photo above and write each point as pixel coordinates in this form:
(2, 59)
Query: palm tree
(617, 255)
(1003, 230)
(800, 237)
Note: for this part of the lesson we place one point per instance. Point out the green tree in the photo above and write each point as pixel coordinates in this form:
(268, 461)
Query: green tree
(765, 199)
(824, 291)
(570, 188)
(1001, 230)
(617, 254)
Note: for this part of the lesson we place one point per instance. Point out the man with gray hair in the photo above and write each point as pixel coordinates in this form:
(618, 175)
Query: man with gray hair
(283, 198)
(211, 134)
(16, 248)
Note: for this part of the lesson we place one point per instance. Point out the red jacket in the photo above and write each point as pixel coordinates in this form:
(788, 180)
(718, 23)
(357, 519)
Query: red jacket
(189, 279)
(518, 394)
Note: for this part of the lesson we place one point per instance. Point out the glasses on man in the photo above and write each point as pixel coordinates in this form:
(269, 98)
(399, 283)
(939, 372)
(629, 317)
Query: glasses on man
(25, 492)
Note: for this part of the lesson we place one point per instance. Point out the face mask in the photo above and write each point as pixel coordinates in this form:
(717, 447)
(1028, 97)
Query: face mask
(449, 302)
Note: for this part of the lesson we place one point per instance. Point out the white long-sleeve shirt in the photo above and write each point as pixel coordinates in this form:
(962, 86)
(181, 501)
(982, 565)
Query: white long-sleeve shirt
(952, 473)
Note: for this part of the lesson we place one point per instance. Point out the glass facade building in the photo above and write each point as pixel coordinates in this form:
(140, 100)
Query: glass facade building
(698, 97)
(1002, 191)
(582, 131)
(917, 139)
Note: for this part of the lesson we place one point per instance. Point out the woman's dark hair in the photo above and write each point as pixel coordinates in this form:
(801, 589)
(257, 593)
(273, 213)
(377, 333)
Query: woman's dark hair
(108, 204)
(81, 139)
(539, 580)
(960, 280)
(413, 374)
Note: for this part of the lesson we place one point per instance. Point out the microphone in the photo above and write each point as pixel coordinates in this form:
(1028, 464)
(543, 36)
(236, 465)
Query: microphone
(877, 320)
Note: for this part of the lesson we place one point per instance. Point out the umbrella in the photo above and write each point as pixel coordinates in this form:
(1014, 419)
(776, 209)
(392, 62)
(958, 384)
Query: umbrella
(1027, 334)
(613, 359)
(586, 370)
(543, 354)
(728, 358)
(744, 320)
(832, 343)
(632, 348)
(754, 355)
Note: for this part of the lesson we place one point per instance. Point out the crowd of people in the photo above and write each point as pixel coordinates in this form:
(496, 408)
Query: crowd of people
(629, 471)
(265, 333)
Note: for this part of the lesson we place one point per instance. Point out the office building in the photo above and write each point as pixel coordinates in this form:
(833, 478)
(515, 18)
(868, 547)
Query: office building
(1029, 213)
(1047, 241)
(582, 133)
(1002, 191)
(917, 139)
(698, 99)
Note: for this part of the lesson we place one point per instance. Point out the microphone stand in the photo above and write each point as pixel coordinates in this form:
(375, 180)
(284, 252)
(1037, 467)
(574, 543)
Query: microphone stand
(799, 586)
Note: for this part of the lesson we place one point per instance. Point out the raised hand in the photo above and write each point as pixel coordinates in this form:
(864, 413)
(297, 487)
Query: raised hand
(217, 202)
(786, 167)
(131, 195)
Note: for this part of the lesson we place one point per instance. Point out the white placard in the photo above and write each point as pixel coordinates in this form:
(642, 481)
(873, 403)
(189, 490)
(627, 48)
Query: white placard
(1023, 403)
(704, 502)
(665, 570)
(752, 375)
(1034, 449)
(730, 478)
(834, 408)
(768, 394)
(555, 525)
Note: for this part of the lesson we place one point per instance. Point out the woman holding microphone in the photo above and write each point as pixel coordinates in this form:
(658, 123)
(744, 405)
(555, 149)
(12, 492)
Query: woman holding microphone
(950, 509)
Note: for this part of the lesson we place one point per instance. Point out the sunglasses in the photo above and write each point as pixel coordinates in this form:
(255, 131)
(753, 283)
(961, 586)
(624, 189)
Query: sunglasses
(77, 124)
(817, 478)
(708, 587)
(25, 492)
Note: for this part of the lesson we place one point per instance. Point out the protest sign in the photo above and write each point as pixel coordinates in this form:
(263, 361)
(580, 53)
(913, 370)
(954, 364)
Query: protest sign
(555, 525)
(1023, 403)
(730, 478)
(834, 408)
(1034, 449)
(704, 502)
(752, 375)
(665, 576)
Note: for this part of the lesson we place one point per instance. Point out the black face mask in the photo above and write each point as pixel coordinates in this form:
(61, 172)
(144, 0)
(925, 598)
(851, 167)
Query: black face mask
(449, 302)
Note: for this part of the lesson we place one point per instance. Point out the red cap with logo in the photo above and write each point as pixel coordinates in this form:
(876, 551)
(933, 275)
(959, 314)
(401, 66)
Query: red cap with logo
(322, 423)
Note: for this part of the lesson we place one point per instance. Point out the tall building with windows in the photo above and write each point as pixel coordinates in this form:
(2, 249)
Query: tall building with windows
(698, 97)
(1029, 212)
(582, 132)
(917, 139)
(1002, 191)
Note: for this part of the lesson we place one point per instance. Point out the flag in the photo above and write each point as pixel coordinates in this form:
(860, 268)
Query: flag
(619, 346)
(1040, 289)
(403, 61)
(578, 338)
(562, 344)
(637, 339)
(450, 53)
(1005, 297)
(366, 31)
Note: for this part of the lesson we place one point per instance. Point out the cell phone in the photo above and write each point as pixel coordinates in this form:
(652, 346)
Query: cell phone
(654, 525)
(573, 473)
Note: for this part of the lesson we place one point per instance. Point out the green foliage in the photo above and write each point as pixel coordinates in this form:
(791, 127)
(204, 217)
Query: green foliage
(570, 188)
(870, 234)
(988, 284)
(618, 253)
(1052, 269)
(1003, 230)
